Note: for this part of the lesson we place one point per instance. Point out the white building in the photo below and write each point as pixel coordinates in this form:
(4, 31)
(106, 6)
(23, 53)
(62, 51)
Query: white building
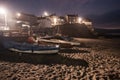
(44, 22)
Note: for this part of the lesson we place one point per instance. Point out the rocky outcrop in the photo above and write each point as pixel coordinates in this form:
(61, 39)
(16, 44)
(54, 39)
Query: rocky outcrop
(76, 30)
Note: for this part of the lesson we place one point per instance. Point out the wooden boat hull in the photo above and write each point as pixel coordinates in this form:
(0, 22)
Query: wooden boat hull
(29, 48)
(36, 52)
(62, 43)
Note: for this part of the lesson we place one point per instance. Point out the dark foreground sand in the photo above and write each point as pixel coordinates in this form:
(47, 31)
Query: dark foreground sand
(93, 60)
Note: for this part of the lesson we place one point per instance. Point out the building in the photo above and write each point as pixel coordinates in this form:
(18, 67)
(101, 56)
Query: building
(51, 21)
(27, 18)
(71, 19)
(61, 20)
(87, 22)
(22, 22)
(44, 22)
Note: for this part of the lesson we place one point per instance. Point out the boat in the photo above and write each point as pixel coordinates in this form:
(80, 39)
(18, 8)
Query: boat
(29, 48)
(61, 43)
(59, 37)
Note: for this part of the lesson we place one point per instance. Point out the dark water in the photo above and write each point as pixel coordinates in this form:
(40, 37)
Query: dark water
(110, 33)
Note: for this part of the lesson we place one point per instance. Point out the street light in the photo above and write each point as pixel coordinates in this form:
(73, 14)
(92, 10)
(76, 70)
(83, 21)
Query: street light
(18, 14)
(79, 20)
(45, 13)
(4, 12)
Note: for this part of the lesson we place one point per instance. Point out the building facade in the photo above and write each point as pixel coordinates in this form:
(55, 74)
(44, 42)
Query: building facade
(71, 19)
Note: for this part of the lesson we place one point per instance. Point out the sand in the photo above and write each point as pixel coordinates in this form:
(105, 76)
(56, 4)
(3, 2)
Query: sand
(95, 59)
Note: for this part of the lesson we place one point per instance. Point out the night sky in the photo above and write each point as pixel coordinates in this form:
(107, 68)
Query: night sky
(100, 11)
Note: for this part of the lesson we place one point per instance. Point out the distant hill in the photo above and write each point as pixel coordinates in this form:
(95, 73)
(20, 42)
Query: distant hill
(75, 30)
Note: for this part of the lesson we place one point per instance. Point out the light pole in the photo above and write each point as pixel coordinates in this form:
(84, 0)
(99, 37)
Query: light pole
(5, 20)
(3, 12)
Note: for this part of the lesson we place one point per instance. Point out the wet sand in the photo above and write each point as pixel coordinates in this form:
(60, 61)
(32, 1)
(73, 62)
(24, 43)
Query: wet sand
(95, 59)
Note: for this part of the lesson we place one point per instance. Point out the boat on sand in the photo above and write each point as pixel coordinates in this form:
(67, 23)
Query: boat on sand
(29, 48)
(62, 43)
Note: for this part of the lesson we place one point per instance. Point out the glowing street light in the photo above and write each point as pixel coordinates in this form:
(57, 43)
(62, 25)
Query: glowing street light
(18, 14)
(4, 12)
(45, 13)
(79, 20)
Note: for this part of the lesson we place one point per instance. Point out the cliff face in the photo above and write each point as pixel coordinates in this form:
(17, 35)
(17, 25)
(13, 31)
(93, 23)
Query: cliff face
(76, 30)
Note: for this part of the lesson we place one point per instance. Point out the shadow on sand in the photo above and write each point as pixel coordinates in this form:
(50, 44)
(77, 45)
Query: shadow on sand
(41, 59)
(70, 51)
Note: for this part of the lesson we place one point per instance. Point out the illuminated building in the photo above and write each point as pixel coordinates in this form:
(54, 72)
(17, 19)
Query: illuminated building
(71, 19)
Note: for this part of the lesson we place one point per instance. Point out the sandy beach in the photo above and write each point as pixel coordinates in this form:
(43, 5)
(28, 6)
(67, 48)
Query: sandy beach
(95, 59)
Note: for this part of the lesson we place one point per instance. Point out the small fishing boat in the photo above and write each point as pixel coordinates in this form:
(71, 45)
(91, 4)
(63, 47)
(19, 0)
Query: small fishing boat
(62, 43)
(29, 48)
(59, 37)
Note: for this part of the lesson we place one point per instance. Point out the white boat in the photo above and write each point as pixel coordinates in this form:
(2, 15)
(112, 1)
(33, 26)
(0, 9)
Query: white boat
(29, 48)
(62, 43)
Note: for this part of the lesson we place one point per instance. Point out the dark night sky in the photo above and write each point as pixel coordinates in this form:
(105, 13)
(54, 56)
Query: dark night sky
(93, 8)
